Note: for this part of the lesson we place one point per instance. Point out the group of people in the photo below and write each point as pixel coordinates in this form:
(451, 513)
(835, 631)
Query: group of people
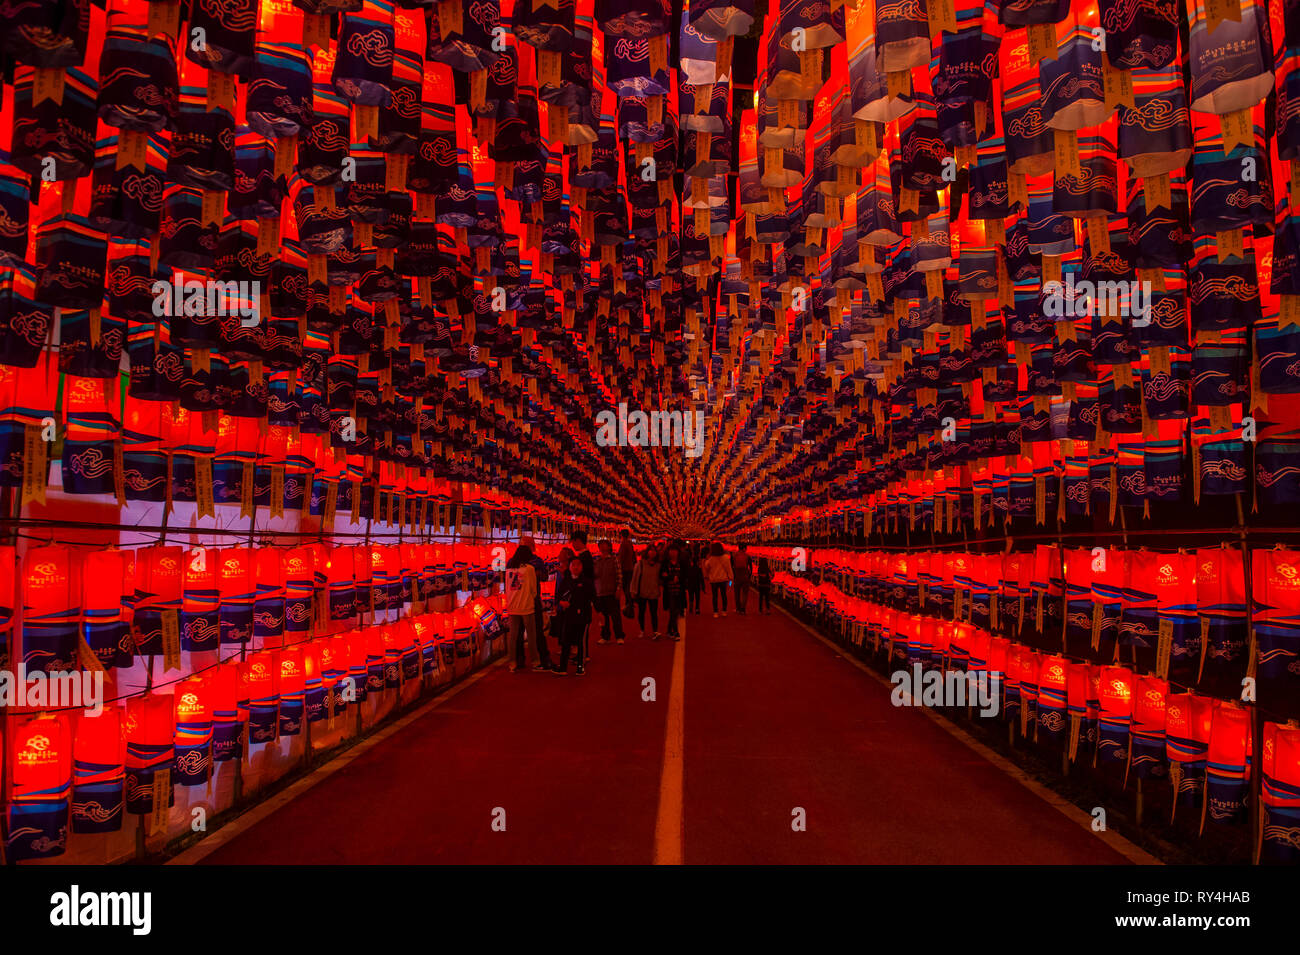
(618, 584)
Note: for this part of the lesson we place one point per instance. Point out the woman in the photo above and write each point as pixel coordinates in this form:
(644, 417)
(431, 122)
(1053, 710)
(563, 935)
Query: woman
(644, 589)
(694, 578)
(763, 576)
(717, 571)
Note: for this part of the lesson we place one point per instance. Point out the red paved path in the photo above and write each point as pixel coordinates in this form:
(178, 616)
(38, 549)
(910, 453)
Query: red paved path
(773, 720)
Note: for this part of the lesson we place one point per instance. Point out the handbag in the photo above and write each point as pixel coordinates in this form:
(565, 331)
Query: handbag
(628, 611)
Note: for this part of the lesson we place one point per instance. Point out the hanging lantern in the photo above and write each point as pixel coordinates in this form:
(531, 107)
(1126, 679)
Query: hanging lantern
(373, 640)
(51, 610)
(269, 602)
(1187, 738)
(1148, 758)
(99, 771)
(1227, 764)
(150, 747)
(261, 677)
(237, 595)
(200, 600)
(1276, 617)
(293, 684)
(358, 665)
(1052, 696)
(313, 689)
(158, 590)
(103, 602)
(1281, 795)
(1116, 689)
(299, 588)
(1221, 605)
(342, 583)
(193, 739)
(223, 690)
(40, 764)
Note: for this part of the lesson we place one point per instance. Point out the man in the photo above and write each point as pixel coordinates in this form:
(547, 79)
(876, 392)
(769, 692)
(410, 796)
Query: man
(578, 539)
(539, 612)
(626, 559)
(608, 584)
(673, 585)
(741, 574)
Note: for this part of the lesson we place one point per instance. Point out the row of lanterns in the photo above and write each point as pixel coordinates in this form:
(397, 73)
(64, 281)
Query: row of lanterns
(1110, 713)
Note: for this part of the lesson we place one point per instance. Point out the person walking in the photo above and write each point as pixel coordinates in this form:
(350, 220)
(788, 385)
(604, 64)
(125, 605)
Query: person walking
(717, 571)
(608, 587)
(644, 589)
(763, 577)
(694, 578)
(573, 598)
(626, 560)
(672, 581)
(741, 574)
(521, 597)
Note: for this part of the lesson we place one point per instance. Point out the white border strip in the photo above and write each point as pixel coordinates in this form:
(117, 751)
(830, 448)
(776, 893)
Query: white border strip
(1128, 850)
(245, 821)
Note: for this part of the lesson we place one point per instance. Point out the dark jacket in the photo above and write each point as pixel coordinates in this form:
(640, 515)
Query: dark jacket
(578, 591)
(672, 579)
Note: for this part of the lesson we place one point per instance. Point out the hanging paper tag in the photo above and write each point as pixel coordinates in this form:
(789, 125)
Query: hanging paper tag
(162, 796)
(1157, 192)
(119, 473)
(1067, 161)
(1230, 242)
(171, 637)
(316, 30)
(1288, 311)
(1118, 85)
(277, 490)
(164, 18)
(1042, 43)
(213, 211)
(1164, 648)
(1238, 129)
(221, 91)
(203, 486)
(1216, 11)
(48, 84)
(132, 149)
(898, 83)
(35, 464)
(942, 15)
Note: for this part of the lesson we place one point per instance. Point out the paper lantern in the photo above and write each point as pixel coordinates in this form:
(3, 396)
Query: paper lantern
(41, 779)
(51, 607)
(193, 739)
(150, 748)
(158, 589)
(99, 771)
(260, 675)
(1281, 794)
(104, 602)
(1116, 689)
(269, 600)
(228, 718)
(1227, 764)
(200, 600)
(238, 593)
(1148, 727)
(293, 684)
(1187, 736)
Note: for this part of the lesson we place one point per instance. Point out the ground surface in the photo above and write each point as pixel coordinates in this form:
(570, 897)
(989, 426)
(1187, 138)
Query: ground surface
(767, 721)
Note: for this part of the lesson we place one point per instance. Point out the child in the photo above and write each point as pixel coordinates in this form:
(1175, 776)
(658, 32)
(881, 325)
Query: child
(763, 576)
(574, 597)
